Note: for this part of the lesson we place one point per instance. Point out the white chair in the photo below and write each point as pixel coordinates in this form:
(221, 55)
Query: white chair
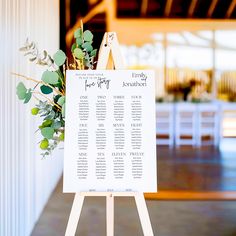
(228, 120)
(164, 124)
(185, 124)
(208, 124)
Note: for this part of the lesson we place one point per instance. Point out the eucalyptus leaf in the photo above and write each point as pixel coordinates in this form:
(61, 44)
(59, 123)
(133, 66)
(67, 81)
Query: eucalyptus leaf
(88, 36)
(61, 100)
(50, 116)
(44, 56)
(87, 57)
(79, 41)
(23, 49)
(59, 57)
(44, 144)
(63, 109)
(21, 91)
(73, 47)
(45, 89)
(46, 123)
(78, 33)
(28, 96)
(94, 53)
(50, 77)
(28, 53)
(88, 64)
(34, 111)
(61, 137)
(78, 53)
(47, 132)
(88, 47)
(32, 59)
(55, 98)
(56, 125)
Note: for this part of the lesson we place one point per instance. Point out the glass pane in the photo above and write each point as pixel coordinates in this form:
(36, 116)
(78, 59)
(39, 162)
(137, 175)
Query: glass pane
(189, 67)
(189, 57)
(225, 63)
(147, 56)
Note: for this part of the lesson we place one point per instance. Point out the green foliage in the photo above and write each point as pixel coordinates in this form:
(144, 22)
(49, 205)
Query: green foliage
(82, 49)
(44, 144)
(56, 125)
(78, 53)
(59, 58)
(51, 115)
(61, 137)
(28, 96)
(61, 100)
(50, 77)
(73, 47)
(21, 91)
(47, 123)
(88, 36)
(87, 46)
(30, 49)
(63, 110)
(79, 41)
(51, 105)
(94, 53)
(47, 132)
(45, 89)
(78, 33)
(34, 111)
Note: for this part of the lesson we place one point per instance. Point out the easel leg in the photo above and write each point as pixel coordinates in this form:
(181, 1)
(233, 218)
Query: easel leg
(143, 214)
(110, 215)
(74, 215)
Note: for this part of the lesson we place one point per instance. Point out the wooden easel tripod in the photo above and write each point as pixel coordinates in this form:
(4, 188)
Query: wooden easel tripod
(109, 45)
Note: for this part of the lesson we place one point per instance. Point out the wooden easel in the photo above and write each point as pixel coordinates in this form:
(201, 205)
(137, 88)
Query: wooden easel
(109, 45)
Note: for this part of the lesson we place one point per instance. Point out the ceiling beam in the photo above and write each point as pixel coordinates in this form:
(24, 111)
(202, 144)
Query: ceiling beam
(92, 2)
(99, 8)
(212, 8)
(67, 14)
(230, 9)
(192, 8)
(168, 8)
(144, 7)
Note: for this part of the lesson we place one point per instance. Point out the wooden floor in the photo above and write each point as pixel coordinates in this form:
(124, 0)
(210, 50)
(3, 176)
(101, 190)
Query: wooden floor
(197, 169)
(168, 218)
(183, 173)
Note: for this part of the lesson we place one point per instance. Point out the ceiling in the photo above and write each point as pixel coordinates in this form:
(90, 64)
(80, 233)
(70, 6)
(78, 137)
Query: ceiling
(72, 10)
(215, 9)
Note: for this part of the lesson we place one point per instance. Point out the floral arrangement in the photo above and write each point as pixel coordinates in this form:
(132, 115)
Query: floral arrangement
(50, 91)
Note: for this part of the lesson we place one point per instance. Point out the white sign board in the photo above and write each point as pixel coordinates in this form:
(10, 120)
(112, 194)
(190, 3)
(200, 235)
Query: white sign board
(110, 131)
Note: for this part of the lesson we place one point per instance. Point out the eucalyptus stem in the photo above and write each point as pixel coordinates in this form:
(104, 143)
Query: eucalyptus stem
(74, 61)
(52, 103)
(39, 82)
(61, 78)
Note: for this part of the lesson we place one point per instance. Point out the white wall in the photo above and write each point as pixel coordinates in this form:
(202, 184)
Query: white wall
(26, 181)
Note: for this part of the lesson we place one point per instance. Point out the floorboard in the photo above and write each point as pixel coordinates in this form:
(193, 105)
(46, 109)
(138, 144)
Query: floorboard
(197, 169)
(168, 218)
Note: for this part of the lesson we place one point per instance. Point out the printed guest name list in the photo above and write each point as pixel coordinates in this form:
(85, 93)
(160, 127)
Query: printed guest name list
(110, 131)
